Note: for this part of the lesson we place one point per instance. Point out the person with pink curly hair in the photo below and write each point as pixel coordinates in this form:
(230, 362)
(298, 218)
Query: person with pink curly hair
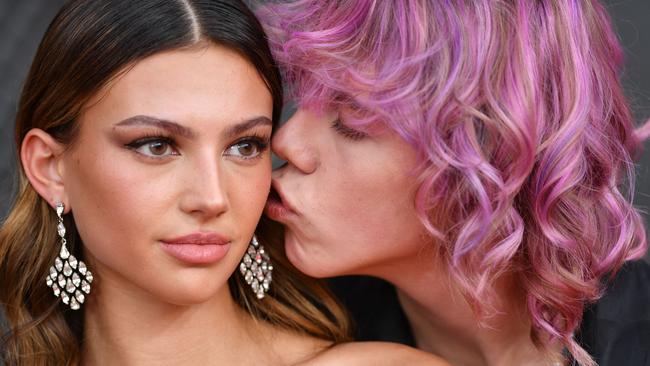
(478, 156)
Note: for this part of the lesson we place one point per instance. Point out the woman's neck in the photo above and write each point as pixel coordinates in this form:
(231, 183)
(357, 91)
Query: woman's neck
(125, 326)
(444, 324)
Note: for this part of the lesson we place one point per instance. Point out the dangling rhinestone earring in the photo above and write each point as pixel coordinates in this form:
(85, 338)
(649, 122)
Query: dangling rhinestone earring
(256, 268)
(69, 278)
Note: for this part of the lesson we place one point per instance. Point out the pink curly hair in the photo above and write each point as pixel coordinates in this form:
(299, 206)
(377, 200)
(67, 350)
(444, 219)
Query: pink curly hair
(524, 135)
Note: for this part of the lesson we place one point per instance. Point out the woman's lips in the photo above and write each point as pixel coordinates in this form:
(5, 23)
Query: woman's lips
(276, 209)
(197, 248)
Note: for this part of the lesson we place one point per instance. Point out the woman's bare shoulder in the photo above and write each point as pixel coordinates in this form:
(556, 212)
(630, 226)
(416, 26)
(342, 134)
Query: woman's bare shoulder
(373, 353)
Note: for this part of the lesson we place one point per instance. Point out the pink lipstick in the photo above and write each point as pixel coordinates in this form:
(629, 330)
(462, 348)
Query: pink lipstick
(197, 248)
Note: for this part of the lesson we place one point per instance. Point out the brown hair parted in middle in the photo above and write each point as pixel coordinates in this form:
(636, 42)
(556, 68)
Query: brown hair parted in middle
(90, 43)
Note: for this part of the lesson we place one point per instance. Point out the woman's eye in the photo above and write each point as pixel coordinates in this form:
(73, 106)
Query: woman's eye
(347, 132)
(154, 148)
(247, 149)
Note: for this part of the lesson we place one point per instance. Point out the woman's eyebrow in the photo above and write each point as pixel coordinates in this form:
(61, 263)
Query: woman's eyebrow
(177, 129)
(169, 126)
(246, 125)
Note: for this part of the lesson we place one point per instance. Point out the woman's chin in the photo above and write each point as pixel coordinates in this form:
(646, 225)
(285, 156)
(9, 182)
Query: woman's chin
(192, 293)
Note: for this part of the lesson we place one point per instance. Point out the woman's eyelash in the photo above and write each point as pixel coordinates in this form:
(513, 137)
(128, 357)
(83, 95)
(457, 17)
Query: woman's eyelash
(348, 132)
(149, 139)
(262, 143)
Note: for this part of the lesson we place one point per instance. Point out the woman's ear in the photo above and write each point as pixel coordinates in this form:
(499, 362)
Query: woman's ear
(41, 155)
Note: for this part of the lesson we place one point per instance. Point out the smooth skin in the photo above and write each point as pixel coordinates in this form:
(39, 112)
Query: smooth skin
(175, 145)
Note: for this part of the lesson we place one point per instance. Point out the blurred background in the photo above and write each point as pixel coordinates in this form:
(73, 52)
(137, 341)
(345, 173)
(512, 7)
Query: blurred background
(22, 24)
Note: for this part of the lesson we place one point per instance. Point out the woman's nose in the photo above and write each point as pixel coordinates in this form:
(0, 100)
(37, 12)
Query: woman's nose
(205, 194)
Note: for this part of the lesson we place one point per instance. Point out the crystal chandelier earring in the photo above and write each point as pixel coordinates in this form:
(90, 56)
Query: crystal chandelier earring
(256, 268)
(69, 278)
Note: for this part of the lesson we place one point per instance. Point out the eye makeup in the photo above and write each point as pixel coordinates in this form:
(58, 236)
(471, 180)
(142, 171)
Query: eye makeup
(157, 139)
(248, 148)
(154, 146)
